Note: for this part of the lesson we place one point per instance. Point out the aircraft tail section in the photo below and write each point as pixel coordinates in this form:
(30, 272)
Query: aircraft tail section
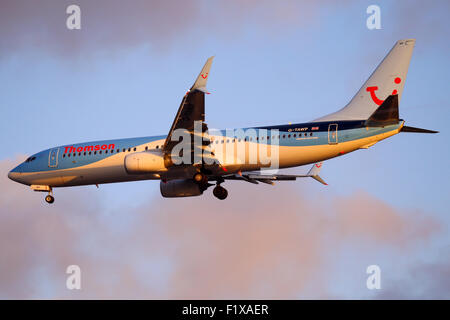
(388, 79)
(386, 114)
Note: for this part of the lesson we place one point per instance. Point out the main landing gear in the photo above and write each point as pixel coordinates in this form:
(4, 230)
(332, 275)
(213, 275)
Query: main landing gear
(220, 192)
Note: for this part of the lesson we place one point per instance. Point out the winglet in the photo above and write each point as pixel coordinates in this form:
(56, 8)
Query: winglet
(314, 172)
(202, 79)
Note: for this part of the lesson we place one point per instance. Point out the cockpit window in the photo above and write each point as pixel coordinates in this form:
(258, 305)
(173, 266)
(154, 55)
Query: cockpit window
(30, 159)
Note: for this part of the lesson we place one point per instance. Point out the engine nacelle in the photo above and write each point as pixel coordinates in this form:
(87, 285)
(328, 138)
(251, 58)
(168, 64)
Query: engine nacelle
(180, 188)
(144, 162)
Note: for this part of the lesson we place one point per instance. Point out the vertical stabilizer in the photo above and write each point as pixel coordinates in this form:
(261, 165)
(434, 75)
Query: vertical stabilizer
(387, 79)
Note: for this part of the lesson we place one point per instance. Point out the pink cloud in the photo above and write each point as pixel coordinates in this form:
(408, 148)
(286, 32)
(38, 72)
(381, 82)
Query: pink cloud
(263, 242)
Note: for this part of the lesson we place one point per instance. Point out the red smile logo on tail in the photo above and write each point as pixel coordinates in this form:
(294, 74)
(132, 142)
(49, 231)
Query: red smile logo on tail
(375, 88)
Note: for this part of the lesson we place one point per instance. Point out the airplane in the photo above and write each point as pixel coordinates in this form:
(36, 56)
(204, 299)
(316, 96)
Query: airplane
(372, 115)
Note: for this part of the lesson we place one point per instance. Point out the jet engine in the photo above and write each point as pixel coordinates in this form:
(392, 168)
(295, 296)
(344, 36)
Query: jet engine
(180, 188)
(144, 162)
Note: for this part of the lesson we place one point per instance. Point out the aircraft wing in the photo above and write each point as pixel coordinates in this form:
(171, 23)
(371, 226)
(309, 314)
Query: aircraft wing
(192, 108)
(255, 178)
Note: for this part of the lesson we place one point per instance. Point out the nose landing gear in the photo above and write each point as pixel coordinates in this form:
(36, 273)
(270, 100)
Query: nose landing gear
(49, 198)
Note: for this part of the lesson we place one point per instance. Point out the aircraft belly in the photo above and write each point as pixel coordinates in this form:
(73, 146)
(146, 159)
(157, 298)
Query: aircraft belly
(102, 175)
(84, 176)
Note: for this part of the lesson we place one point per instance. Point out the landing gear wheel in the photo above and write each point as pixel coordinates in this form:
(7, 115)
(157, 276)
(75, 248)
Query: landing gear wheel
(49, 199)
(220, 193)
(200, 178)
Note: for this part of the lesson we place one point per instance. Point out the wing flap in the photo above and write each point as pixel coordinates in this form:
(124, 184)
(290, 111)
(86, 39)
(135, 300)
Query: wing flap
(270, 178)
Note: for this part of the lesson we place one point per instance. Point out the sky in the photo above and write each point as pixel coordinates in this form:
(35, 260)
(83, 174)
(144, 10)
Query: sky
(123, 74)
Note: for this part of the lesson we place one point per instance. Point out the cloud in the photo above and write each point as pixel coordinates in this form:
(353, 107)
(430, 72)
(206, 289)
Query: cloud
(110, 26)
(262, 242)
(423, 280)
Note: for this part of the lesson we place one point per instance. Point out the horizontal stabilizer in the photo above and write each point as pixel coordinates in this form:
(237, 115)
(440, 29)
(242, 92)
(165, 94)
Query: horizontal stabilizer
(417, 130)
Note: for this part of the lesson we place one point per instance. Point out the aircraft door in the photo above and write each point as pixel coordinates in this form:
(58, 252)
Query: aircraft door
(333, 133)
(53, 158)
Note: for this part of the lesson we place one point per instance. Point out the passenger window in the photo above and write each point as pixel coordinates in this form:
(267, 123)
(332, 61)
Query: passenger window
(68, 155)
(284, 136)
(157, 147)
(134, 149)
(64, 155)
(74, 154)
(146, 148)
(95, 152)
(310, 134)
(84, 153)
(90, 152)
(106, 151)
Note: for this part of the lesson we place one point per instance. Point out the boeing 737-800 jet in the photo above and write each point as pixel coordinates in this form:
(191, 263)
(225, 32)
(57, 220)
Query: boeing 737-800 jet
(203, 158)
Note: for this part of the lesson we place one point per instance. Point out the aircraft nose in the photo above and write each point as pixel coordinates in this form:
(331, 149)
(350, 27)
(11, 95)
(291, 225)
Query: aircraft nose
(15, 174)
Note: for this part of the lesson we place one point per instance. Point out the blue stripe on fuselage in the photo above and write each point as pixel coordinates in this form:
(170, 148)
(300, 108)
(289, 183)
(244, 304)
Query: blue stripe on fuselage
(347, 131)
